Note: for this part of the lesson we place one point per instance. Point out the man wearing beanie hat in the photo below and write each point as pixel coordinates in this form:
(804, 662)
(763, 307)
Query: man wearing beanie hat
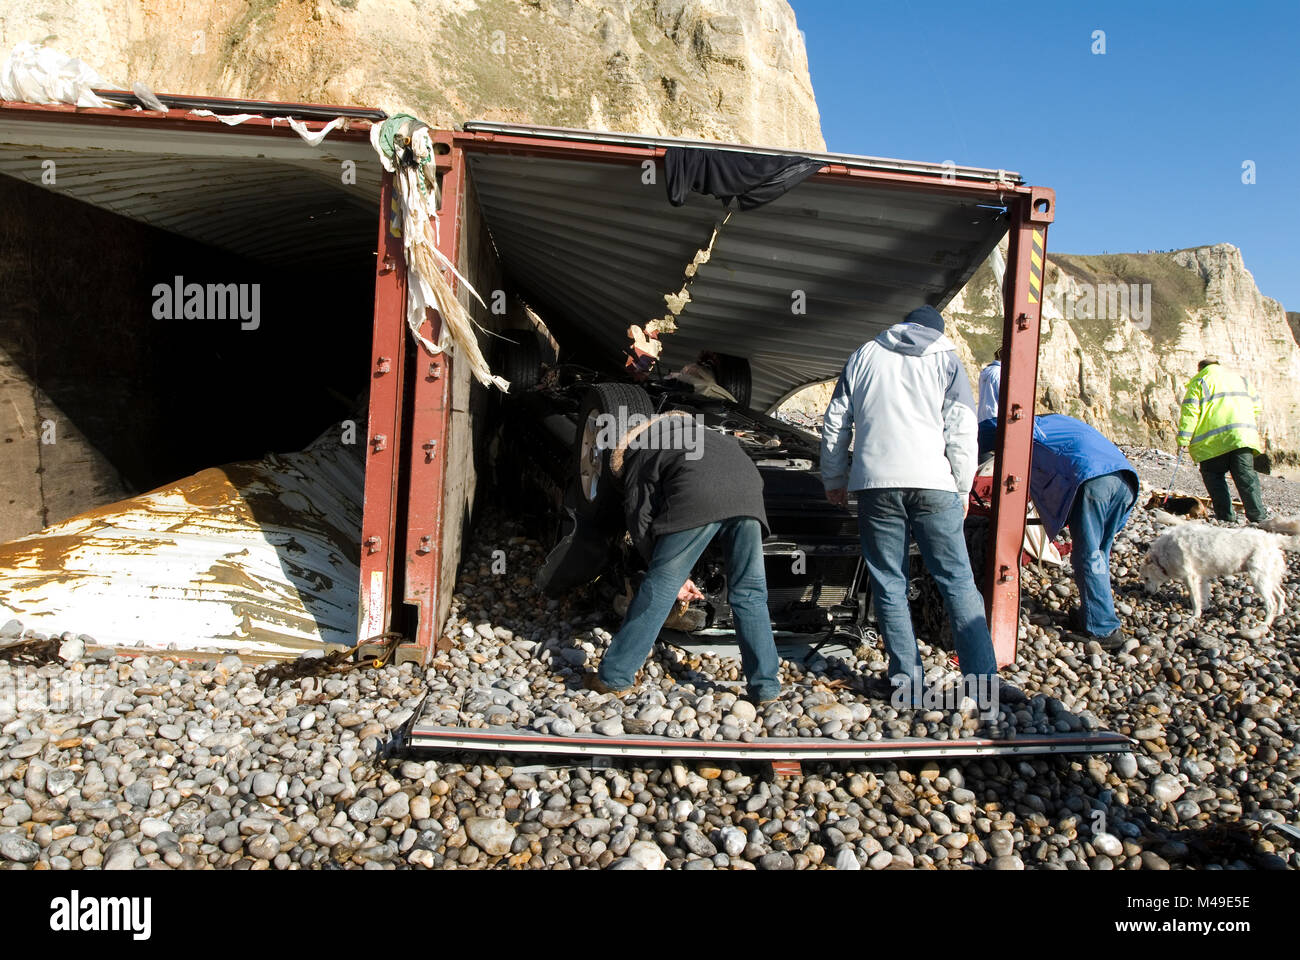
(906, 400)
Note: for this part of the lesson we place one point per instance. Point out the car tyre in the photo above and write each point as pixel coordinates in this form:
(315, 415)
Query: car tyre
(733, 375)
(599, 494)
(519, 359)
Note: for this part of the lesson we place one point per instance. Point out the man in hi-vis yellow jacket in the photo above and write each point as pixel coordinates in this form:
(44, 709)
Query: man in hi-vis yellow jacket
(1218, 423)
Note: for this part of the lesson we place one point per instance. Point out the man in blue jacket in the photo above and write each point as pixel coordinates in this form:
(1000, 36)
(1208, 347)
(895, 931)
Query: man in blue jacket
(1082, 481)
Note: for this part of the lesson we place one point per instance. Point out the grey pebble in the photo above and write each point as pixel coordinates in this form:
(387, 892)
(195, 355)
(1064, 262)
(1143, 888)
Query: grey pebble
(363, 810)
(18, 849)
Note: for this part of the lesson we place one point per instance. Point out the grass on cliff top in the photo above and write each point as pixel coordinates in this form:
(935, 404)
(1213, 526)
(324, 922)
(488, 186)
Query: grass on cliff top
(1176, 291)
(982, 341)
(980, 301)
(981, 325)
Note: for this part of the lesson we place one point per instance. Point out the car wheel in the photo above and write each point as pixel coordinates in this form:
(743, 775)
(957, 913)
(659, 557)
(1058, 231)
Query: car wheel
(518, 359)
(929, 613)
(733, 375)
(979, 532)
(598, 496)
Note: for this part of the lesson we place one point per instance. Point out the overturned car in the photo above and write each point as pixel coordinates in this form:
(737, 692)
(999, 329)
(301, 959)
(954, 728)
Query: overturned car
(555, 445)
(553, 461)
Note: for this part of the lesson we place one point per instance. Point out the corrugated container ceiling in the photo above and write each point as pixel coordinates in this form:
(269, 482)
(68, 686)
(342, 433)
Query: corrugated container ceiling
(271, 198)
(595, 249)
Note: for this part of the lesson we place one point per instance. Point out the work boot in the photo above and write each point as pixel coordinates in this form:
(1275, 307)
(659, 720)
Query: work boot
(1112, 642)
(877, 688)
(882, 688)
(1010, 693)
(593, 683)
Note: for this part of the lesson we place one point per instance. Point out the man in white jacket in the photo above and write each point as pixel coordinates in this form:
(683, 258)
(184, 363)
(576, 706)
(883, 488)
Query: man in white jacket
(906, 399)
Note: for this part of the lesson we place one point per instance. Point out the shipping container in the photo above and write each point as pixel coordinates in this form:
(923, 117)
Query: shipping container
(109, 218)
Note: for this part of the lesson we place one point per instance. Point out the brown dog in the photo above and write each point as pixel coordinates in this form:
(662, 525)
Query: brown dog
(1193, 508)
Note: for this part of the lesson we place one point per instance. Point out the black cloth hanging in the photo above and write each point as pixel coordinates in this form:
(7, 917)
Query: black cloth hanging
(752, 178)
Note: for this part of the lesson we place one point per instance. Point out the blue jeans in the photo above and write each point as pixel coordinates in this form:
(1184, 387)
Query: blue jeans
(888, 519)
(1099, 509)
(674, 557)
(986, 438)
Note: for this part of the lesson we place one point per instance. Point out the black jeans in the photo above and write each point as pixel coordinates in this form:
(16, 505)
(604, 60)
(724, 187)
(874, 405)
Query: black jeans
(1241, 464)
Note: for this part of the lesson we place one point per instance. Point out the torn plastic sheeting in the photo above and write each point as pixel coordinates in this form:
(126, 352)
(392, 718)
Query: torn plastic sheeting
(148, 99)
(405, 150)
(259, 556)
(1037, 543)
(702, 382)
(229, 119)
(314, 138)
(33, 74)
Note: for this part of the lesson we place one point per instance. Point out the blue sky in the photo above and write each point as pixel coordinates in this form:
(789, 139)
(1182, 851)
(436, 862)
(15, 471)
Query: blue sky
(1144, 144)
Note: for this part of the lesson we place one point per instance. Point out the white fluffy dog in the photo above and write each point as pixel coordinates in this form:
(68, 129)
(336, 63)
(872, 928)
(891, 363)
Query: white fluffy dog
(1196, 553)
(1287, 525)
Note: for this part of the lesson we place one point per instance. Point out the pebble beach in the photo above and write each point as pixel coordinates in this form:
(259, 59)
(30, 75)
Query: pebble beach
(151, 763)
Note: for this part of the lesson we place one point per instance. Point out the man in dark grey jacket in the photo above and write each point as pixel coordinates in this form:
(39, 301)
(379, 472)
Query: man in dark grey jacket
(677, 497)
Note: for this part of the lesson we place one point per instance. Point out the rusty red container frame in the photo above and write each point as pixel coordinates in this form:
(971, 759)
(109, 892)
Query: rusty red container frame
(1031, 210)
